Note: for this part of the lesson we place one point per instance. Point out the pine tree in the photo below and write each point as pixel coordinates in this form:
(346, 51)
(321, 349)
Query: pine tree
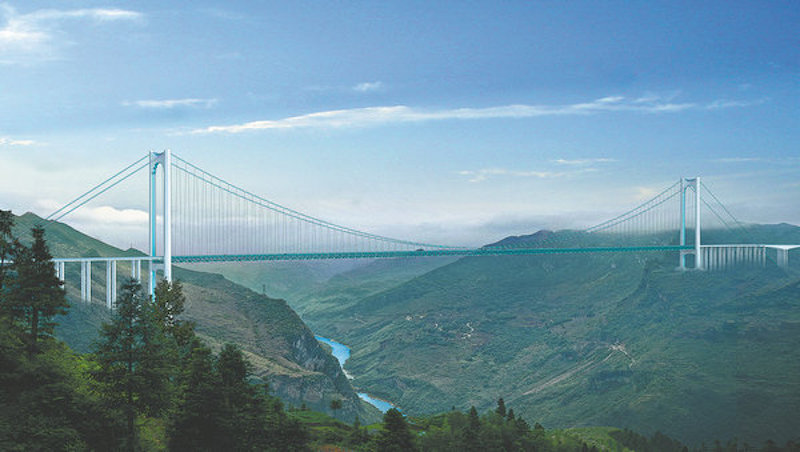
(36, 295)
(395, 435)
(335, 405)
(168, 304)
(136, 359)
(6, 245)
(471, 434)
(197, 423)
(358, 435)
(244, 408)
(501, 407)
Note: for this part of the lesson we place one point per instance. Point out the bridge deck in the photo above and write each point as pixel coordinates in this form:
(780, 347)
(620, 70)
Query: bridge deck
(417, 253)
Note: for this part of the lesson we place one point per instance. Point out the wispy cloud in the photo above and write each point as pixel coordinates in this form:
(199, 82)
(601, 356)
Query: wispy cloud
(373, 116)
(776, 161)
(165, 104)
(723, 104)
(486, 173)
(578, 162)
(6, 141)
(739, 160)
(31, 37)
(368, 86)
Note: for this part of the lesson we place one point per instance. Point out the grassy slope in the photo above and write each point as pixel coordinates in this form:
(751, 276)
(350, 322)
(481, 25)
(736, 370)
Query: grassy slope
(323, 285)
(588, 340)
(279, 344)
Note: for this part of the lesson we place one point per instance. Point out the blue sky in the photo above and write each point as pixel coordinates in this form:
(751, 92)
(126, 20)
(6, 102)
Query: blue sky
(454, 122)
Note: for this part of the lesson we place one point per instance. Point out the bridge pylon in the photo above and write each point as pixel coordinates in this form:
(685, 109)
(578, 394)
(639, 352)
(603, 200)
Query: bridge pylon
(693, 184)
(163, 160)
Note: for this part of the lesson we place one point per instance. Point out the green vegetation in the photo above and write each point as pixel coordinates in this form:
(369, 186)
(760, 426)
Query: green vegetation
(608, 339)
(152, 383)
(275, 340)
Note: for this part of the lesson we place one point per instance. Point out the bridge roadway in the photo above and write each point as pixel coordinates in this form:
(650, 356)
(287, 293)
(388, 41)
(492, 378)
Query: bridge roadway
(488, 251)
(717, 257)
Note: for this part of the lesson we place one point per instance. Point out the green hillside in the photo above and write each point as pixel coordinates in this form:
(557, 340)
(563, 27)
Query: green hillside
(579, 340)
(281, 347)
(312, 284)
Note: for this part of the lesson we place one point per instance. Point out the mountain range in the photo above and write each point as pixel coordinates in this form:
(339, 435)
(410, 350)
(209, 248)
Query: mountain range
(570, 340)
(622, 339)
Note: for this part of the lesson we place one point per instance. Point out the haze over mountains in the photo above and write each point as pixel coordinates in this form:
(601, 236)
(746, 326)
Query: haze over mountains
(618, 339)
(571, 340)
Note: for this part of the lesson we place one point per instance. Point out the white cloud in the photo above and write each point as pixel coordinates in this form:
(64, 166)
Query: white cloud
(775, 161)
(5, 141)
(722, 104)
(31, 37)
(738, 160)
(485, 173)
(165, 104)
(372, 116)
(368, 86)
(98, 14)
(578, 162)
(110, 215)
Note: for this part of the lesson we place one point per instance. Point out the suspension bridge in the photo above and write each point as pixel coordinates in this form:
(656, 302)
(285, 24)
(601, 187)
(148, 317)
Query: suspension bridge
(196, 217)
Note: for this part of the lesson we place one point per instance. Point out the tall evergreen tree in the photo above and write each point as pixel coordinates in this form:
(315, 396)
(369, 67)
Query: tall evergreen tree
(168, 304)
(196, 425)
(243, 407)
(471, 434)
(6, 245)
(336, 404)
(501, 407)
(358, 435)
(395, 435)
(36, 295)
(135, 359)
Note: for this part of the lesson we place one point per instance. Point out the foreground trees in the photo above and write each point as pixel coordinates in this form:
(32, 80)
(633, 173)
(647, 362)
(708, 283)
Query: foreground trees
(221, 410)
(152, 366)
(151, 381)
(48, 400)
(34, 294)
(136, 360)
(395, 436)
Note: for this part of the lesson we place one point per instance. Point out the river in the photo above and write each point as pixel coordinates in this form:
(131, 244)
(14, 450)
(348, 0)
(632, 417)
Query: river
(342, 352)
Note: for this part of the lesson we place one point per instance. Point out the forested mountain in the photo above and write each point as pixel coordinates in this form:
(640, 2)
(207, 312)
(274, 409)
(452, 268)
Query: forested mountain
(280, 346)
(618, 339)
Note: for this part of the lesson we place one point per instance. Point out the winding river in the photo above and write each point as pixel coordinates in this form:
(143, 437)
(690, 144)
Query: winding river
(342, 352)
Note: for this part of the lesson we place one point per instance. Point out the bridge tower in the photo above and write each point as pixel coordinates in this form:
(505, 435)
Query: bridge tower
(163, 160)
(693, 184)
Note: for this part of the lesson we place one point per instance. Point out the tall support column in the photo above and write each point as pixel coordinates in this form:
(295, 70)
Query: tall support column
(86, 285)
(83, 281)
(698, 258)
(60, 271)
(167, 170)
(111, 283)
(163, 159)
(682, 263)
(152, 270)
(782, 258)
